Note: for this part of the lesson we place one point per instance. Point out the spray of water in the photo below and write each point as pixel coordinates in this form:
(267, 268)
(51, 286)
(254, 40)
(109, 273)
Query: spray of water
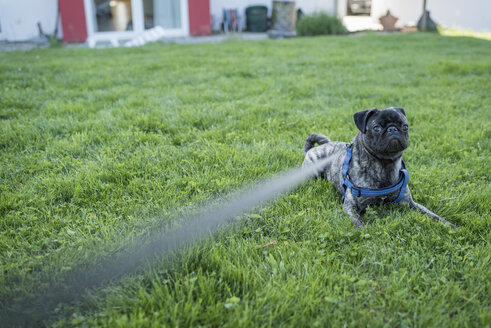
(35, 311)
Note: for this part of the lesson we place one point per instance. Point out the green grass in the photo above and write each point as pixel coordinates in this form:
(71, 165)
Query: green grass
(468, 33)
(99, 146)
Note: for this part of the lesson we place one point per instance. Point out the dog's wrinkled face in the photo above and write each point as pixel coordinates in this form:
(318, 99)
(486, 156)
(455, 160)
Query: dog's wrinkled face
(384, 132)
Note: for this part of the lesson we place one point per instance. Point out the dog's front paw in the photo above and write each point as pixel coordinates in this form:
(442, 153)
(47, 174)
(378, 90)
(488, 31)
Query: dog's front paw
(358, 223)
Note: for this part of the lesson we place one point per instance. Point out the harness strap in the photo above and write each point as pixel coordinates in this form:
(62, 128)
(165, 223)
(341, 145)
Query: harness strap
(400, 185)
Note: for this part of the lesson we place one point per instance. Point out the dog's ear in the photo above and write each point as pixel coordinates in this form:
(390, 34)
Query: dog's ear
(361, 118)
(400, 110)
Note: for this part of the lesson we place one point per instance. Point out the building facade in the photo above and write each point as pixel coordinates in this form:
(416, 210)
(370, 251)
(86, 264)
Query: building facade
(93, 20)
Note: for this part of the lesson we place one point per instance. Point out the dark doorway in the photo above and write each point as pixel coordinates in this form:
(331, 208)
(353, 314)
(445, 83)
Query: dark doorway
(359, 7)
(113, 15)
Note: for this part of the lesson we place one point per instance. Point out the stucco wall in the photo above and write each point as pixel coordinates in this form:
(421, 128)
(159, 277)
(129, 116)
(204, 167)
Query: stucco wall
(307, 6)
(470, 14)
(19, 18)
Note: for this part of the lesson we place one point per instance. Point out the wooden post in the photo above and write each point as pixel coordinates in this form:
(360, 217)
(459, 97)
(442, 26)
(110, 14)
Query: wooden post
(424, 21)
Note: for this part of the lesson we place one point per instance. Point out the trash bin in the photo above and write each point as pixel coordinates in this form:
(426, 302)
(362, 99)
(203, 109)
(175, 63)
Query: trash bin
(257, 18)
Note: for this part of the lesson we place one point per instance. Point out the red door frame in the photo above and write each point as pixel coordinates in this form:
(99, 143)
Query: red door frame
(199, 17)
(72, 15)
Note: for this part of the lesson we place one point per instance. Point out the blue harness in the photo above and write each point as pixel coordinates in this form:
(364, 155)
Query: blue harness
(367, 192)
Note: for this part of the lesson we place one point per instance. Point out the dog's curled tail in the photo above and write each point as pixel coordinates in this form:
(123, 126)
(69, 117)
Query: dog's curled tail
(314, 138)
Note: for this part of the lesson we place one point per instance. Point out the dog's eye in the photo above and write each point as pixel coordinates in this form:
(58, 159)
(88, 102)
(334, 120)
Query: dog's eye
(377, 128)
(405, 127)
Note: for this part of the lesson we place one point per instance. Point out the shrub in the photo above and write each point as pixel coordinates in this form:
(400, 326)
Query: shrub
(320, 24)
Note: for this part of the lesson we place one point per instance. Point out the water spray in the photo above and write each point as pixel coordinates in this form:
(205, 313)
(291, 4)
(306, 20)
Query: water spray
(75, 284)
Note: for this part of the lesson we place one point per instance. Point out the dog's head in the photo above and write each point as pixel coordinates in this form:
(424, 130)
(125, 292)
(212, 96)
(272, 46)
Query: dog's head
(385, 133)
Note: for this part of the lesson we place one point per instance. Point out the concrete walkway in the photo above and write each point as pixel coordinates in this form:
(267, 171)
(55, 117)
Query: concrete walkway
(25, 45)
(216, 38)
(39, 43)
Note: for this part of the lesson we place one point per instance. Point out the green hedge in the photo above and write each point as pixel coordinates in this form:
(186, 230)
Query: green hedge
(320, 24)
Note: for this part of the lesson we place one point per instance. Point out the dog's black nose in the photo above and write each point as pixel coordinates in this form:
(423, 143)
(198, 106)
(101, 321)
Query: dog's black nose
(391, 129)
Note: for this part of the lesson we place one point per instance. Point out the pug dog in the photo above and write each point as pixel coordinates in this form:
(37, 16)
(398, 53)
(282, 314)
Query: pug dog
(369, 170)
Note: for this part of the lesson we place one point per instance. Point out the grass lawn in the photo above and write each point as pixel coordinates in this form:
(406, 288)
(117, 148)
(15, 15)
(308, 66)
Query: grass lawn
(100, 146)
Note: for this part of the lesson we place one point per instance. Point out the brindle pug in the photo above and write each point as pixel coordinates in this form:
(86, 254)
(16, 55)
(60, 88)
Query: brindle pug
(375, 173)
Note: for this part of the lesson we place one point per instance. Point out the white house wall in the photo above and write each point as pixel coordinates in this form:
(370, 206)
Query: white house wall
(470, 14)
(307, 6)
(408, 12)
(19, 18)
(311, 6)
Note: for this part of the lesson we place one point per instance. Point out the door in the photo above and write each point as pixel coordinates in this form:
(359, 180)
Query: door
(171, 15)
(116, 20)
(112, 15)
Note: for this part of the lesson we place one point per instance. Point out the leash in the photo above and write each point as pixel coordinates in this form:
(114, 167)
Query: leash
(400, 185)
